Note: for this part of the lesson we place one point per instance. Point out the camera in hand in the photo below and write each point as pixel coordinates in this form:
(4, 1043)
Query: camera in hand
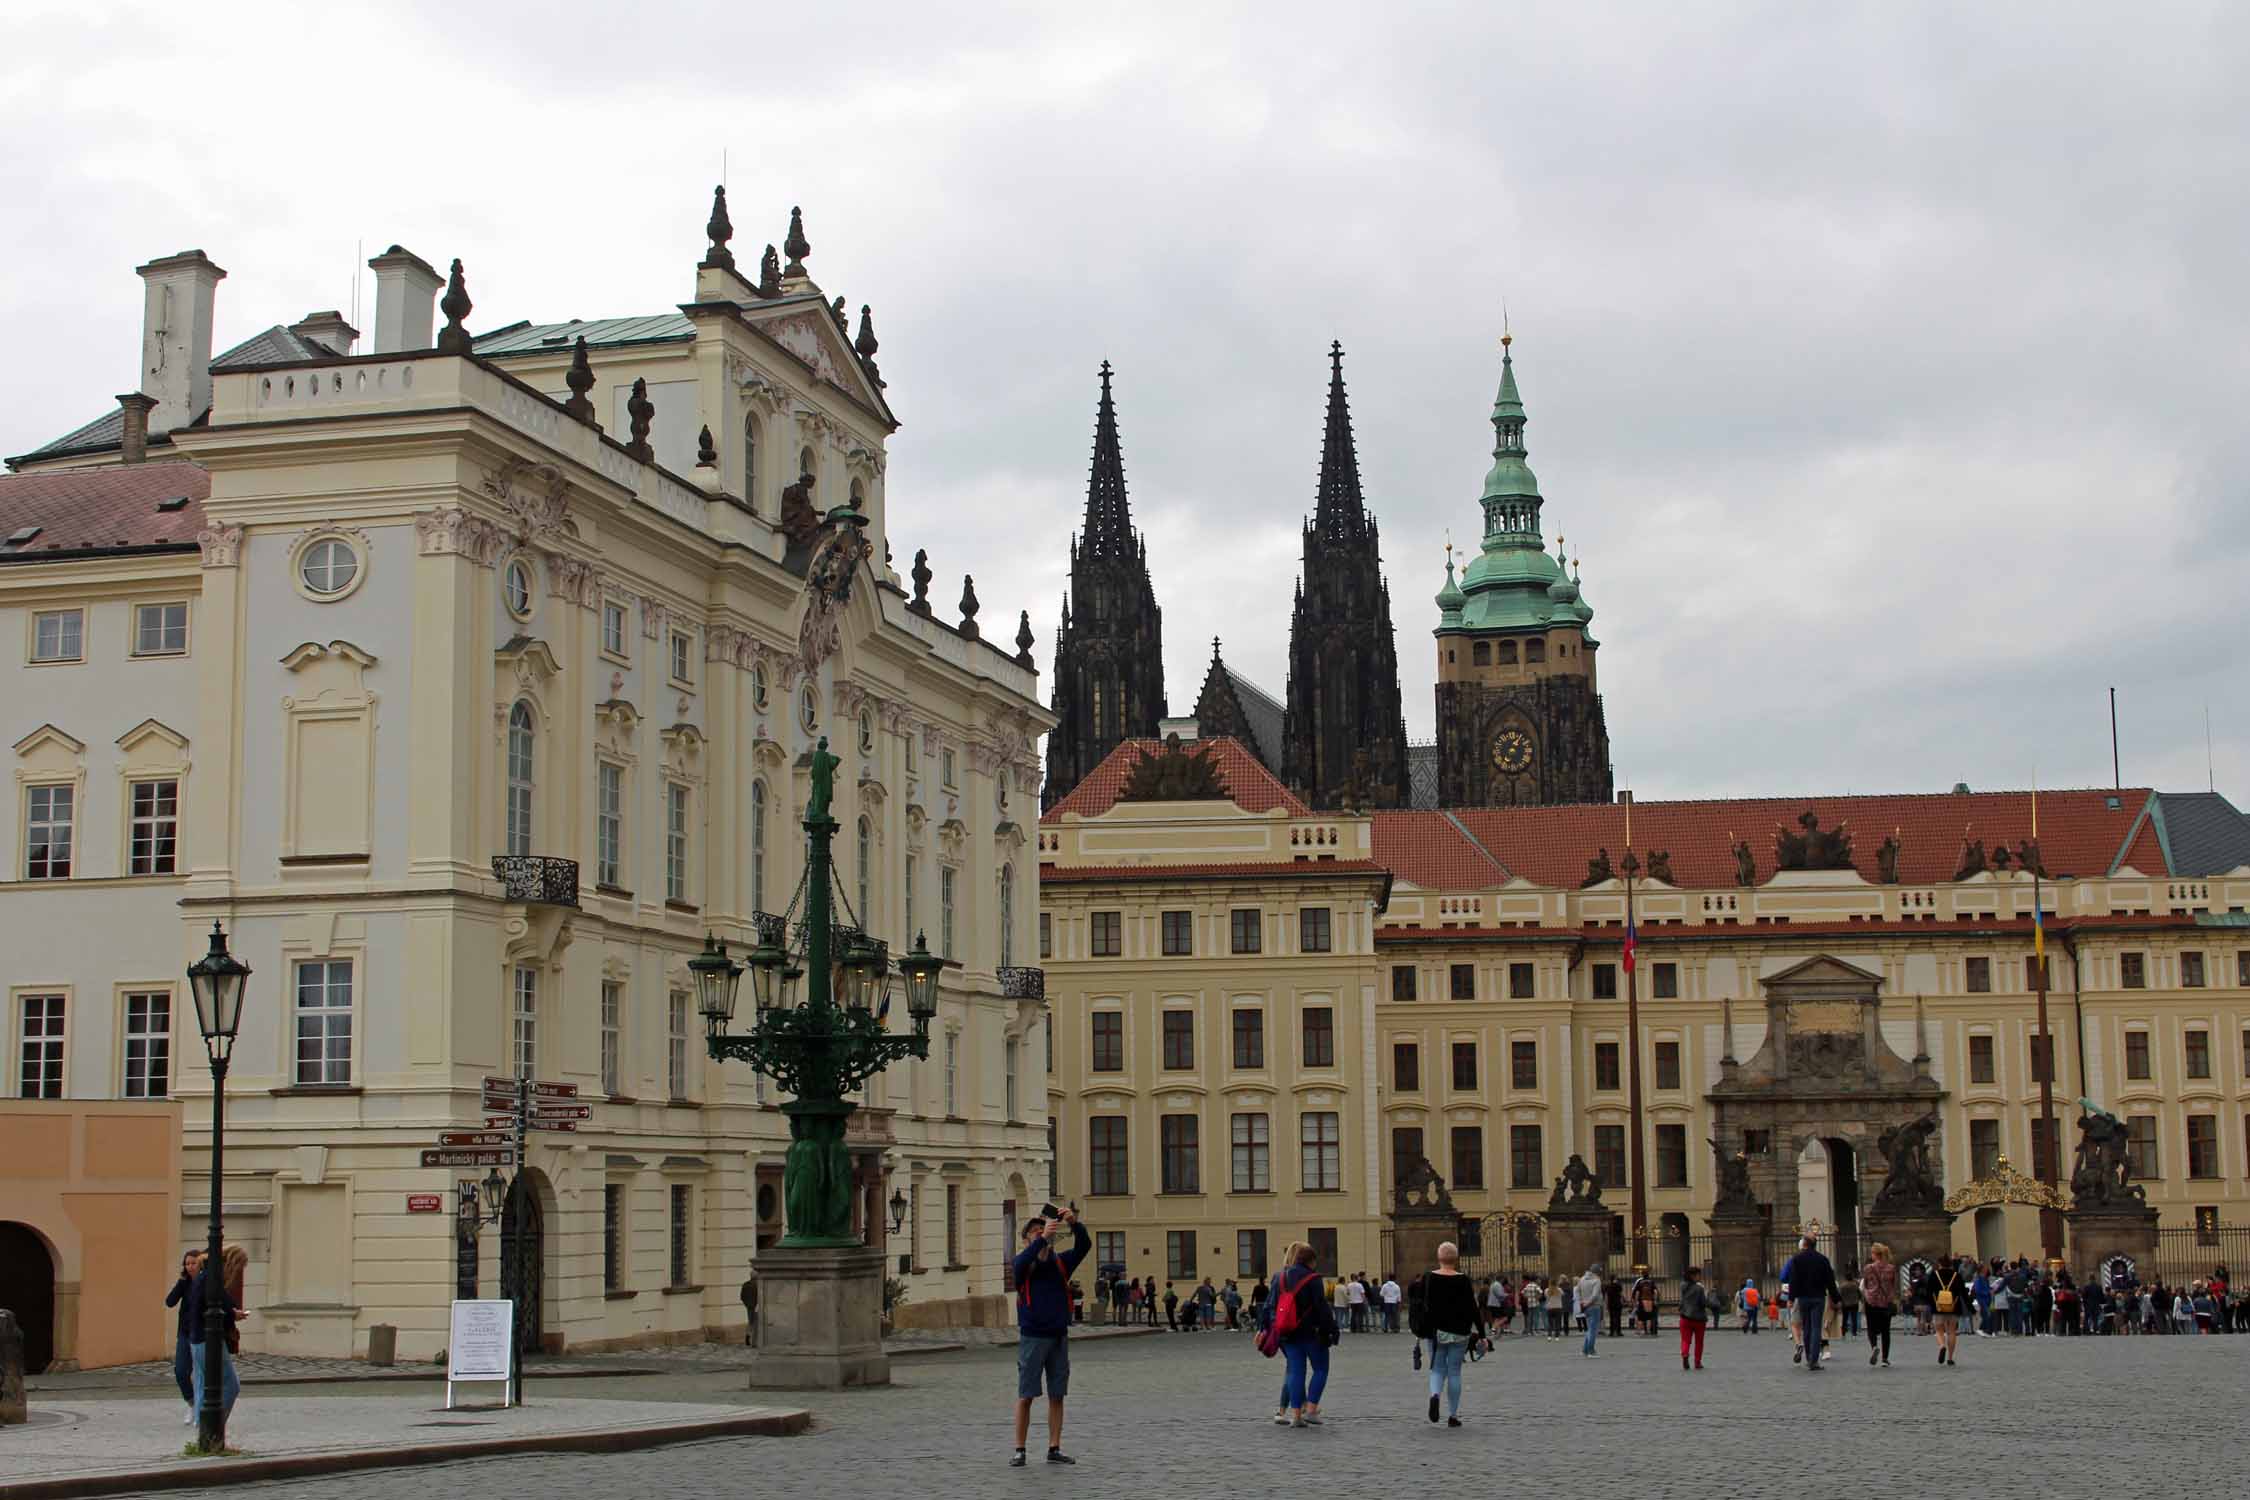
(1050, 1213)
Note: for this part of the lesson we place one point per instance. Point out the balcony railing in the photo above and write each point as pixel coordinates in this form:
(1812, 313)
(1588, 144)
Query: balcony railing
(1021, 982)
(535, 877)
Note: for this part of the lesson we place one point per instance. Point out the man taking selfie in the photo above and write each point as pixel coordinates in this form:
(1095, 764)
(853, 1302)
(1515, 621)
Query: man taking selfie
(1041, 1276)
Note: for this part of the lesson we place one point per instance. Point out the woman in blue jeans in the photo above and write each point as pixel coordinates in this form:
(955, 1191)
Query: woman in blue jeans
(1305, 1347)
(1455, 1321)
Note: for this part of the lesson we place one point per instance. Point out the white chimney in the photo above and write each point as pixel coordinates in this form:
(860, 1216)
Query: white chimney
(405, 300)
(176, 337)
(328, 328)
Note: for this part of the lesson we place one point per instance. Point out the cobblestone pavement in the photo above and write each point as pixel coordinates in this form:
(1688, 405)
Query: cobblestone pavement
(1192, 1415)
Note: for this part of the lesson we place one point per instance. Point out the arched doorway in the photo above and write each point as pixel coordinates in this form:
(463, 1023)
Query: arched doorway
(1992, 1233)
(27, 1289)
(523, 1259)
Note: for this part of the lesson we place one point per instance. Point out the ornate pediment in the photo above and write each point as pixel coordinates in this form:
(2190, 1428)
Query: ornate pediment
(536, 497)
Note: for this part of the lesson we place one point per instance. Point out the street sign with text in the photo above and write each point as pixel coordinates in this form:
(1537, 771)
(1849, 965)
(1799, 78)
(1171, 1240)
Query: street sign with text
(473, 1138)
(425, 1203)
(554, 1090)
(442, 1158)
(549, 1113)
(495, 1085)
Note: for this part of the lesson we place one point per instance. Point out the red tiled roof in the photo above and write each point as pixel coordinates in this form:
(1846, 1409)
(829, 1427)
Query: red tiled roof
(1250, 786)
(79, 510)
(2079, 834)
(1612, 934)
(1295, 869)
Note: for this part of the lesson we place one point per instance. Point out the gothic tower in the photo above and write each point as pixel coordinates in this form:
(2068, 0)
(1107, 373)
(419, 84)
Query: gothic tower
(1343, 736)
(1109, 656)
(1519, 721)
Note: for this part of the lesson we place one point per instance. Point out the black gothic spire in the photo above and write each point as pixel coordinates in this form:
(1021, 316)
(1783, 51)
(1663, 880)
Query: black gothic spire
(1340, 511)
(1109, 518)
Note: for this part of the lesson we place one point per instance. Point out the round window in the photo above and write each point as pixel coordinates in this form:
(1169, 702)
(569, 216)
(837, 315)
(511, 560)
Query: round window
(519, 589)
(758, 685)
(328, 566)
(808, 708)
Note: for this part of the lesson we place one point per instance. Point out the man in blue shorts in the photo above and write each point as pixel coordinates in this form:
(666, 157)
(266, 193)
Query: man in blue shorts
(1041, 1276)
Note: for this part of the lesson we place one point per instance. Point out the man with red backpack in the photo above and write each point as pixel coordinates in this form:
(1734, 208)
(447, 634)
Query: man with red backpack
(1041, 1275)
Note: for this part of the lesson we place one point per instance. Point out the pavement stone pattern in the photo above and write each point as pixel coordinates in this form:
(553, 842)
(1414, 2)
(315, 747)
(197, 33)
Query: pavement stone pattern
(2019, 1419)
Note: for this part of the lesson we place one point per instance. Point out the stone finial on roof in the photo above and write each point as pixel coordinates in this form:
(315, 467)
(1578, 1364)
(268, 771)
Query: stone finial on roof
(969, 607)
(720, 229)
(580, 379)
(769, 274)
(453, 338)
(706, 452)
(920, 603)
(865, 344)
(642, 411)
(796, 246)
(1024, 638)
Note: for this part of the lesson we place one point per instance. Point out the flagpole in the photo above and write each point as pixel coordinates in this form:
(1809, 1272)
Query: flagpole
(2050, 1219)
(1638, 1196)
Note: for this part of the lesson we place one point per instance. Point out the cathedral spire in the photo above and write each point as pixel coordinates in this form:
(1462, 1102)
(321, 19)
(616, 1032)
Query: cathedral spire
(1109, 519)
(1341, 511)
(1511, 491)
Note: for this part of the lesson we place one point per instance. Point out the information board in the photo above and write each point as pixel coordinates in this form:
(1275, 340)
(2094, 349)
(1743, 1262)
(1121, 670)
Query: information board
(484, 1331)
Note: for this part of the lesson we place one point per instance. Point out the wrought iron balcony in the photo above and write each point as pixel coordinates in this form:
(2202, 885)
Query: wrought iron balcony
(1021, 982)
(535, 877)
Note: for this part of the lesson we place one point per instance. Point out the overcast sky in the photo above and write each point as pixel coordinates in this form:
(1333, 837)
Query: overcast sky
(1886, 364)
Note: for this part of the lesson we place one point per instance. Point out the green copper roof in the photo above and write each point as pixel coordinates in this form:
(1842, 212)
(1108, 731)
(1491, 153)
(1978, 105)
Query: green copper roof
(1510, 475)
(1449, 599)
(1512, 584)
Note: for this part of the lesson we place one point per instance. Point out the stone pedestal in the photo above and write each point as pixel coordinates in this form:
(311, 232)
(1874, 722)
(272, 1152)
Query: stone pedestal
(1738, 1253)
(820, 1318)
(12, 1406)
(1912, 1237)
(2097, 1235)
(1577, 1238)
(1415, 1236)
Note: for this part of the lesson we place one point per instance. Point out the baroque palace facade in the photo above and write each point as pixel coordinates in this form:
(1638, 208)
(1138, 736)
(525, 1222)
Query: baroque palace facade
(470, 682)
(1281, 981)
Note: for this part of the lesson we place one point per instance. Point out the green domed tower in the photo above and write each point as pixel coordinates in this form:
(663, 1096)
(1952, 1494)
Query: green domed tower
(1519, 719)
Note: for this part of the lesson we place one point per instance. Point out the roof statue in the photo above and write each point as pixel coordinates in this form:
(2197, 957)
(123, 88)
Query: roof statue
(1177, 774)
(1814, 849)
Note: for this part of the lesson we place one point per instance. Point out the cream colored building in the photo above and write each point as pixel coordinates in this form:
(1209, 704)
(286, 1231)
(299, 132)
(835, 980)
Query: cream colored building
(1487, 1015)
(309, 638)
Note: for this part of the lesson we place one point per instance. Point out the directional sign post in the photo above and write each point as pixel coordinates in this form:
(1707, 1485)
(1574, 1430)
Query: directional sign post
(547, 1113)
(443, 1158)
(473, 1138)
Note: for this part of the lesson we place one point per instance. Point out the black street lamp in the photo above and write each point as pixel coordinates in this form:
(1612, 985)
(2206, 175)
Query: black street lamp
(898, 1210)
(217, 980)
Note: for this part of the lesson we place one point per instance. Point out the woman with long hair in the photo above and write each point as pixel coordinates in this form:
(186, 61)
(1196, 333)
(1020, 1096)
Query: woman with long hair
(1947, 1286)
(1301, 1310)
(1456, 1321)
(1878, 1286)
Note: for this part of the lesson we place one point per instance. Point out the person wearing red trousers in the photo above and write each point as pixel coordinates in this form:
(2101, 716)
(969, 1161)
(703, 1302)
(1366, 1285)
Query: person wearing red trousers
(1695, 1316)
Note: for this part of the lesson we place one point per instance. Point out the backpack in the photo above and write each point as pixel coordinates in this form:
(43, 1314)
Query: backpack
(1945, 1295)
(1750, 1298)
(1418, 1310)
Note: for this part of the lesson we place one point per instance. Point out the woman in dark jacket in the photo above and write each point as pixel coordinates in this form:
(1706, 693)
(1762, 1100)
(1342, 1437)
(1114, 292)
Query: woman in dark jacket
(1306, 1345)
(183, 1371)
(1455, 1320)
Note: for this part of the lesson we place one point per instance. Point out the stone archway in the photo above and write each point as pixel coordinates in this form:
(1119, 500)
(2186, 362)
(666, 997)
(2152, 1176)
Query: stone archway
(27, 1289)
(523, 1260)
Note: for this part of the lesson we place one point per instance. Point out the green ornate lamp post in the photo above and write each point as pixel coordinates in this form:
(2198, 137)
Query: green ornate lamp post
(217, 980)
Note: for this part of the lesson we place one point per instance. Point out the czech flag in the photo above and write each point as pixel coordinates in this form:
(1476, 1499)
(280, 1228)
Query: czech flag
(2038, 929)
(1632, 941)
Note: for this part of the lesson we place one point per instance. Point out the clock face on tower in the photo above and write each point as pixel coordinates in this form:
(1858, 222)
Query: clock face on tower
(1511, 751)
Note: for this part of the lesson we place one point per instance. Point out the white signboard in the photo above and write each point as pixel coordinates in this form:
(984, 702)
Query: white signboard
(483, 1334)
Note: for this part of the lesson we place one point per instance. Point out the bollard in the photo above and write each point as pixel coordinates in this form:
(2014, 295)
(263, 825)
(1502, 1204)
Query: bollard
(382, 1344)
(13, 1408)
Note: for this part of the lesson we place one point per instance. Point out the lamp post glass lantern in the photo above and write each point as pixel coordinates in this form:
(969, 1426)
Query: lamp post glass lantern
(898, 1209)
(217, 980)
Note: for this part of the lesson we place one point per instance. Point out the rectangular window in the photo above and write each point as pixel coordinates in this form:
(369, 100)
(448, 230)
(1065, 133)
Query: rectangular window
(1468, 1156)
(1179, 933)
(155, 833)
(1402, 983)
(2042, 1059)
(1253, 1153)
(676, 1043)
(50, 814)
(1046, 935)
(526, 1022)
(1249, 1038)
(2140, 1147)
(2132, 970)
(1246, 929)
(613, 1236)
(1109, 1247)
(1605, 981)
(1523, 1065)
(1980, 1059)
(2191, 971)
(2136, 1055)
(1250, 1254)
(1105, 1156)
(609, 826)
(159, 629)
(1980, 976)
(1462, 980)
(1605, 1068)
(1671, 1156)
(1406, 1150)
(1108, 933)
(683, 1202)
(1757, 1142)
(2042, 1151)
(613, 627)
(2198, 1048)
(1406, 1067)
(947, 879)
(1323, 1242)
(1527, 1163)
(2242, 967)
(1320, 1134)
(1009, 1054)
(1177, 1040)
(1984, 1147)
(1667, 1065)
(1609, 1155)
(1465, 1066)
(148, 1044)
(1320, 1037)
(1179, 1138)
(675, 842)
(613, 1003)
(953, 1074)
(1313, 930)
(953, 1259)
(58, 635)
(1519, 982)
(39, 1038)
(945, 766)
(2203, 1145)
(1179, 1255)
(324, 1021)
(1109, 1041)
(1665, 981)
(683, 657)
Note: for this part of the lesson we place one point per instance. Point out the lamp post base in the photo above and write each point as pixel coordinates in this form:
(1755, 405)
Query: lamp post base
(820, 1318)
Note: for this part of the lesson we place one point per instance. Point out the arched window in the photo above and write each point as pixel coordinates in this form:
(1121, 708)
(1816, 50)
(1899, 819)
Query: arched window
(804, 461)
(866, 863)
(750, 459)
(1007, 915)
(520, 731)
(757, 846)
(1480, 655)
(1534, 651)
(1507, 653)
(1097, 710)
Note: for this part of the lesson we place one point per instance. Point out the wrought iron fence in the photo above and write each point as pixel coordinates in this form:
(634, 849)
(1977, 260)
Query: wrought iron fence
(1021, 982)
(2191, 1253)
(535, 877)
